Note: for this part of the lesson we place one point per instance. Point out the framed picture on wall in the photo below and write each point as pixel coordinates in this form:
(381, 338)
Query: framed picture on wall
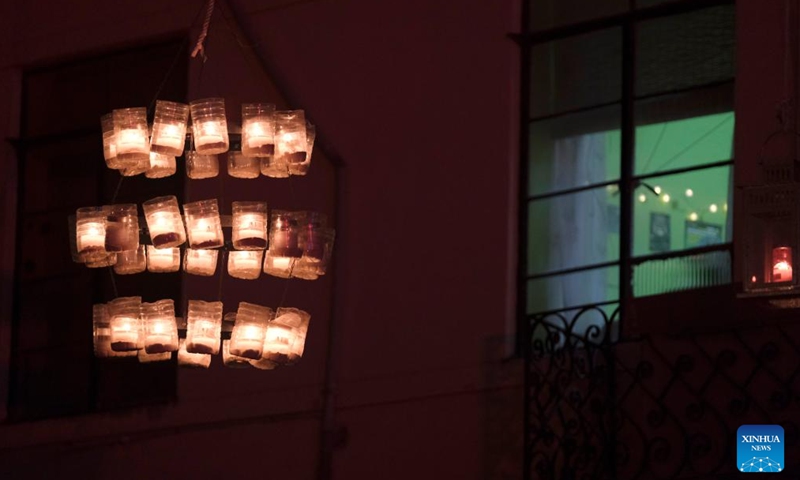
(700, 234)
(659, 232)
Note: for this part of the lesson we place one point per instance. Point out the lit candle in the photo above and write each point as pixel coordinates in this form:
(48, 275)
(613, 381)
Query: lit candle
(210, 135)
(170, 136)
(258, 135)
(92, 236)
(251, 230)
(202, 234)
(161, 259)
(203, 260)
(249, 342)
(246, 262)
(160, 337)
(203, 339)
(279, 340)
(782, 264)
(282, 263)
(187, 359)
(131, 140)
(124, 333)
(160, 224)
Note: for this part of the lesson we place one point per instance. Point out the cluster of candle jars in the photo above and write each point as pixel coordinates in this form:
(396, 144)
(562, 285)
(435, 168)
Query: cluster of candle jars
(284, 244)
(254, 335)
(273, 143)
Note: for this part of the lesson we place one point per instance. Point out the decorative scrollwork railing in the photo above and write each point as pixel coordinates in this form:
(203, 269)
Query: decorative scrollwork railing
(654, 407)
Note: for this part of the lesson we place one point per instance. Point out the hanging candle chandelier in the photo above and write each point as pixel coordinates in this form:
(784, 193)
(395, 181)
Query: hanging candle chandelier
(169, 237)
(203, 237)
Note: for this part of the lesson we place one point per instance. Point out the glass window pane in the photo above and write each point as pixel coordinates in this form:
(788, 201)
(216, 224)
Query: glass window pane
(546, 14)
(573, 230)
(574, 150)
(573, 289)
(655, 277)
(682, 51)
(576, 72)
(687, 210)
(685, 130)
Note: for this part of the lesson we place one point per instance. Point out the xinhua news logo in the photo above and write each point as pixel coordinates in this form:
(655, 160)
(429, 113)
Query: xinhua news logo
(759, 449)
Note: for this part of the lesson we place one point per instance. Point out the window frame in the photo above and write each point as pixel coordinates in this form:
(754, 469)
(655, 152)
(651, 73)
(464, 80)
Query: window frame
(628, 180)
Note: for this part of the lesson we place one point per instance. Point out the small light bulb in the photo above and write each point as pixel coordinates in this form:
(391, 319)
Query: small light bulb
(642, 198)
(665, 198)
(724, 207)
(693, 216)
(689, 192)
(713, 208)
(657, 189)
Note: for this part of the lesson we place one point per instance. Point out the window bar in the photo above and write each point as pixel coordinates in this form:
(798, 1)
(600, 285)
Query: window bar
(582, 188)
(523, 336)
(567, 271)
(628, 132)
(675, 171)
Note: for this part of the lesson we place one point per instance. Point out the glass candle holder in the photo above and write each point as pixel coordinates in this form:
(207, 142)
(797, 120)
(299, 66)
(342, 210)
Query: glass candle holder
(278, 266)
(281, 337)
(138, 164)
(195, 360)
(258, 129)
(109, 142)
(204, 327)
(249, 230)
(302, 167)
(110, 259)
(132, 261)
(169, 128)
(284, 234)
(145, 357)
(245, 264)
(200, 262)
(131, 135)
(161, 166)
(317, 244)
(290, 136)
(122, 228)
(209, 126)
(203, 224)
(247, 337)
(164, 222)
(101, 323)
(101, 330)
(782, 264)
(300, 320)
(274, 167)
(126, 325)
(240, 166)
(232, 361)
(200, 166)
(160, 327)
(163, 260)
(90, 233)
(263, 364)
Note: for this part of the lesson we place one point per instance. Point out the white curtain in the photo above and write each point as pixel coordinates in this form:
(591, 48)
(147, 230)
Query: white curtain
(579, 224)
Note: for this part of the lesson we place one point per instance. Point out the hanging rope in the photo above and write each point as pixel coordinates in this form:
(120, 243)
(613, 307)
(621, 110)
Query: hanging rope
(199, 47)
(786, 106)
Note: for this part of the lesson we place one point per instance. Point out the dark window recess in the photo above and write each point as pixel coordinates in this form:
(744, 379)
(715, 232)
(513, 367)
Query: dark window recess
(54, 371)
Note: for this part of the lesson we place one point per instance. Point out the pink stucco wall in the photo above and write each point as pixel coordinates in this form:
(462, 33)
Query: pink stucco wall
(419, 101)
